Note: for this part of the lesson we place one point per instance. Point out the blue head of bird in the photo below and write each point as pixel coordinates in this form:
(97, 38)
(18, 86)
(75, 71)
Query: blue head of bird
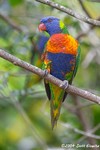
(51, 24)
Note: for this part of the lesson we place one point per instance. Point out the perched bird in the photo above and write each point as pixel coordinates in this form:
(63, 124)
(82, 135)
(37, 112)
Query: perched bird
(60, 59)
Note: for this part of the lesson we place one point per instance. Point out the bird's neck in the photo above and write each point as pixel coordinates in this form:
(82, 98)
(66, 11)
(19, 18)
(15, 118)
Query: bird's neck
(56, 31)
(64, 30)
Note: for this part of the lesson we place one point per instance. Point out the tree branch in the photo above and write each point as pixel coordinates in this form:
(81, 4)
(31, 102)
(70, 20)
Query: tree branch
(87, 134)
(10, 22)
(70, 89)
(83, 7)
(82, 34)
(91, 132)
(84, 120)
(70, 12)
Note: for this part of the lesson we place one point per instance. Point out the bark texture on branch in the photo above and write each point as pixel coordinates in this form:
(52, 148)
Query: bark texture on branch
(70, 12)
(10, 22)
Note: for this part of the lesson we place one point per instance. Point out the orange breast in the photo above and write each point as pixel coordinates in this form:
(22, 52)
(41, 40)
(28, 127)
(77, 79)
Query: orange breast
(62, 43)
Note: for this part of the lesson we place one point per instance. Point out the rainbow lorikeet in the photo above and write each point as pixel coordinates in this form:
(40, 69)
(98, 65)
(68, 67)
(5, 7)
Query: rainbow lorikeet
(60, 59)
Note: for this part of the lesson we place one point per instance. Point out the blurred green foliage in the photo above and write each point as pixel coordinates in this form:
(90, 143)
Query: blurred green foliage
(16, 2)
(24, 108)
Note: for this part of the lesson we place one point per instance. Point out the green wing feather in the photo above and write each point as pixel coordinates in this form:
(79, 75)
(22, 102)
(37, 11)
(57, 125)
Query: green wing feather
(69, 76)
(46, 66)
(77, 61)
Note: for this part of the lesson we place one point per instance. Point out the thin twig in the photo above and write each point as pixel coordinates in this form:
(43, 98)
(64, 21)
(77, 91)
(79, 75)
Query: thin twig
(82, 34)
(70, 89)
(83, 7)
(70, 12)
(35, 133)
(69, 108)
(87, 134)
(94, 1)
(74, 110)
(84, 120)
(11, 23)
(90, 131)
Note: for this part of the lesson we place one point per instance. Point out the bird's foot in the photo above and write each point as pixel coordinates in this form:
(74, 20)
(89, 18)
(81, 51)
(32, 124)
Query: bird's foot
(46, 72)
(64, 85)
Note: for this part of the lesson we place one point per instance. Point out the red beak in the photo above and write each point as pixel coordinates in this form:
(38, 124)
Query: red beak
(42, 27)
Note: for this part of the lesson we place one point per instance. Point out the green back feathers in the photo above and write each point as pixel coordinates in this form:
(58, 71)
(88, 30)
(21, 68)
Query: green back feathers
(63, 27)
(77, 61)
(70, 75)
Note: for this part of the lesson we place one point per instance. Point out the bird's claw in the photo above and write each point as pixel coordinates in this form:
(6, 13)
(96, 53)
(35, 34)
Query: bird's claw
(64, 85)
(46, 72)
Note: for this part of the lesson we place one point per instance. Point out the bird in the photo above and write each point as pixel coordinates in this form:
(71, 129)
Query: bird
(61, 59)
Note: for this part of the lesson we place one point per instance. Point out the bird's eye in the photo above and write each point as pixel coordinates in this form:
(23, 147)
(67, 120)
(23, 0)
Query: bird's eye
(49, 20)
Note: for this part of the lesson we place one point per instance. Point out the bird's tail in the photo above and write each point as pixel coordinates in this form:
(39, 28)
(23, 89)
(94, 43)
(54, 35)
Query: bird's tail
(55, 112)
(56, 103)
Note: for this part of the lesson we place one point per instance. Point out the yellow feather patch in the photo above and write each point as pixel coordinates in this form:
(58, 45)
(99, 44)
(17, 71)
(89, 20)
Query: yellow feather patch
(55, 113)
(56, 93)
(61, 24)
(56, 102)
